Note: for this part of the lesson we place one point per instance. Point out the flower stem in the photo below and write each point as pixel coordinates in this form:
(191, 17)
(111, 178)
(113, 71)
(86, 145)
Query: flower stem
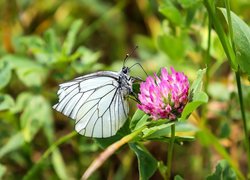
(220, 32)
(237, 74)
(108, 152)
(244, 120)
(170, 151)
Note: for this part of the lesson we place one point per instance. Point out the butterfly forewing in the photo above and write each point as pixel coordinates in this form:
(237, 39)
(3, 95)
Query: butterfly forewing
(96, 102)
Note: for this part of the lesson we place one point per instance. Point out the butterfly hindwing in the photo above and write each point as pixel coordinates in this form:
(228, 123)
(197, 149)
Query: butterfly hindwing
(96, 103)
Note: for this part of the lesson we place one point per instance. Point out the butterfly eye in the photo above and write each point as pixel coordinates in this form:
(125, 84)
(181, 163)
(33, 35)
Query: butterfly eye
(125, 70)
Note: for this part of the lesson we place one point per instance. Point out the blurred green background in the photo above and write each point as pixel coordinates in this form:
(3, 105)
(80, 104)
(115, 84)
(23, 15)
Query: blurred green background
(45, 43)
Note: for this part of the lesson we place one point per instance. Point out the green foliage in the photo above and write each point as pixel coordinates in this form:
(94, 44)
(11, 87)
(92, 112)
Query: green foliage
(31, 122)
(241, 38)
(5, 74)
(2, 170)
(178, 177)
(223, 171)
(196, 95)
(6, 102)
(138, 120)
(45, 44)
(14, 143)
(59, 165)
(147, 164)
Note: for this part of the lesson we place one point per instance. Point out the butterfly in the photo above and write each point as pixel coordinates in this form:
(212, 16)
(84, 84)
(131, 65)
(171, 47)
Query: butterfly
(98, 102)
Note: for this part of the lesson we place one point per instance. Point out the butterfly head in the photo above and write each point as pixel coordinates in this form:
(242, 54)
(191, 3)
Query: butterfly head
(125, 70)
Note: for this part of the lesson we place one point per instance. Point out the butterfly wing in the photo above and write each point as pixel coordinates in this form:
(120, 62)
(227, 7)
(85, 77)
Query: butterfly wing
(96, 102)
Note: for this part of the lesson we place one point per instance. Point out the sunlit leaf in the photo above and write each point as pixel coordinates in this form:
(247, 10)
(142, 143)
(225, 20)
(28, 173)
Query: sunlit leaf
(86, 60)
(184, 131)
(138, 115)
(156, 131)
(188, 3)
(241, 37)
(71, 37)
(28, 71)
(37, 111)
(173, 46)
(5, 73)
(198, 82)
(171, 13)
(6, 102)
(3, 169)
(162, 169)
(198, 99)
(13, 143)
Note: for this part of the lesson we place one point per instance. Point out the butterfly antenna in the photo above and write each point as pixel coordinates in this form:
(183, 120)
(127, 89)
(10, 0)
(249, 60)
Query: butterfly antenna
(140, 66)
(129, 55)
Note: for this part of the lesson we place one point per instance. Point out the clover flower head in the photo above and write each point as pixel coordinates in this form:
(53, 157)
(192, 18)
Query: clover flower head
(164, 97)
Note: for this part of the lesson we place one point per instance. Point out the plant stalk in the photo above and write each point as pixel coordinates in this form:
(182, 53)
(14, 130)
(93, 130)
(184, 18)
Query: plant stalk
(221, 34)
(46, 154)
(238, 81)
(242, 109)
(170, 151)
(108, 152)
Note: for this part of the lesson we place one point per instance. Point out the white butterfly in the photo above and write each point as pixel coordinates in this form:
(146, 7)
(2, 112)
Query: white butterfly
(97, 102)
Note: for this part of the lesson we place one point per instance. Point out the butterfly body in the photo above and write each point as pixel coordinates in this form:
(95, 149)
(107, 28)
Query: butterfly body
(97, 102)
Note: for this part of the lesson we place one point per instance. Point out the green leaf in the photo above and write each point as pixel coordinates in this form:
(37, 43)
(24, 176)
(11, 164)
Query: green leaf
(188, 3)
(5, 73)
(241, 38)
(198, 99)
(198, 82)
(173, 46)
(196, 95)
(6, 102)
(59, 164)
(22, 101)
(71, 37)
(156, 131)
(184, 131)
(52, 44)
(225, 130)
(137, 117)
(147, 164)
(88, 60)
(37, 111)
(163, 169)
(178, 177)
(171, 13)
(3, 169)
(223, 171)
(28, 71)
(15, 142)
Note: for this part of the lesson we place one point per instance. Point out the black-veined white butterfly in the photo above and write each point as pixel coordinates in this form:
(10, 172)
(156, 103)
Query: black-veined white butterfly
(97, 102)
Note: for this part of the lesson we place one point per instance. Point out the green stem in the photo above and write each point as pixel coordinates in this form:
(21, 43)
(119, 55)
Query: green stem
(237, 74)
(170, 151)
(208, 63)
(109, 151)
(221, 34)
(244, 119)
(46, 154)
(208, 52)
